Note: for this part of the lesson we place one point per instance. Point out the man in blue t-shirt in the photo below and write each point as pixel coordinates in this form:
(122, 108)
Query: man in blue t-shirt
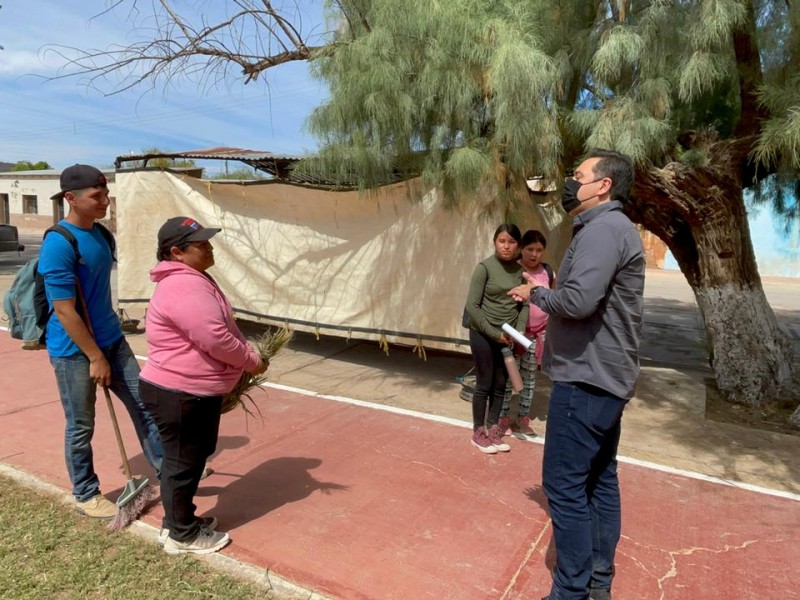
(81, 360)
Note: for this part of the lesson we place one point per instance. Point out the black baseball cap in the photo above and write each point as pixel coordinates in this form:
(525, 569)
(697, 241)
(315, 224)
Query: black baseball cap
(78, 177)
(182, 230)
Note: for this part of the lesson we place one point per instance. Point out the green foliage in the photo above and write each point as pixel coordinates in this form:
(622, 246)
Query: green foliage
(26, 165)
(465, 83)
(162, 162)
(782, 193)
(780, 139)
(242, 174)
(475, 93)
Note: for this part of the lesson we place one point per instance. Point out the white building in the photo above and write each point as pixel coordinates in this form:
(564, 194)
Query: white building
(25, 199)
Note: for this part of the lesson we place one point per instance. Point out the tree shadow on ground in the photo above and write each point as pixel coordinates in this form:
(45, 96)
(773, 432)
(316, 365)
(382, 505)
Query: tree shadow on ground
(268, 486)
(346, 366)
(667, 420)
(667, 416)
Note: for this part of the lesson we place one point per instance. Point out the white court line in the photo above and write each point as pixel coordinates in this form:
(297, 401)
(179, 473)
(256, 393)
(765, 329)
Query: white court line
(540, 440)
(537, 440)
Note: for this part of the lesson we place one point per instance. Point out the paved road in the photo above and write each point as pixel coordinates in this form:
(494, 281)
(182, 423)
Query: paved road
(10, 262)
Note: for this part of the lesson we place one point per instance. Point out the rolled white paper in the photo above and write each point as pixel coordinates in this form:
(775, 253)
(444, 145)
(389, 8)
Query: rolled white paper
(521, 339)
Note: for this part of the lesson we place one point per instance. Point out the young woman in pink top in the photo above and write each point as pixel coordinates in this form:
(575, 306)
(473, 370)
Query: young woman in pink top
(533, 245)
(196, 354)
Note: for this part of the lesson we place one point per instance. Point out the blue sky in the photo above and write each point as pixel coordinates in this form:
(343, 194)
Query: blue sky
(64, 121)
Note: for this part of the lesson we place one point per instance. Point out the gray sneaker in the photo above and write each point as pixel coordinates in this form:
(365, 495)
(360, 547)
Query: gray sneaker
(207, 522)
(206, 542)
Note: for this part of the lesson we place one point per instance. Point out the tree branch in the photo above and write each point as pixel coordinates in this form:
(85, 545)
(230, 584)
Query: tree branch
(751, 77)
(253, 70)
(243, 39)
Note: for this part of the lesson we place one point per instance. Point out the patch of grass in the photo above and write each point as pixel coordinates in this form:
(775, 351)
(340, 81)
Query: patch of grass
(50, 552)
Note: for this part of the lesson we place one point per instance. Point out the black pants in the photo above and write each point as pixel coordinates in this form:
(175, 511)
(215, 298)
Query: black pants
(189, 426)
(490, 379)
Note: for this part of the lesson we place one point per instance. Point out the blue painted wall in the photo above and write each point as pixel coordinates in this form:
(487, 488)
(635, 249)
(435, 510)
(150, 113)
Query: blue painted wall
(777, 250)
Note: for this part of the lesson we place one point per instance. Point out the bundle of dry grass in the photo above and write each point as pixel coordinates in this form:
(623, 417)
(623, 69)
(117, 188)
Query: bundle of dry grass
(267, 345)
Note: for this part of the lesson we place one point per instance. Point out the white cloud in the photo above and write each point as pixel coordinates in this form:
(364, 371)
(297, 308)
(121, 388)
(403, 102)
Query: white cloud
(23, 62)
(63, 121)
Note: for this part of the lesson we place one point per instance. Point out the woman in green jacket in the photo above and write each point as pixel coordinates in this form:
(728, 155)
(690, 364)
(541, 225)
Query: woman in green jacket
(489, 306)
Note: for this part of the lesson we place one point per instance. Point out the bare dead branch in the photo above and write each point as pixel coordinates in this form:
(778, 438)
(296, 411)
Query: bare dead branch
(252, 71)
(254, 39)
(288, 29)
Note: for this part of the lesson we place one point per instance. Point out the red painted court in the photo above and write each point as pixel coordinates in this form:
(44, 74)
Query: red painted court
(358, 503)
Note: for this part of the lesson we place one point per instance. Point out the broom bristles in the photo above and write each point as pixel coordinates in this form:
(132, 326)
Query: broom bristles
(132, 510)
(268, 345)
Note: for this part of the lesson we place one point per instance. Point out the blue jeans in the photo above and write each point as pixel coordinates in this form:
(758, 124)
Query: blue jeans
(579, 476)
(78, 397)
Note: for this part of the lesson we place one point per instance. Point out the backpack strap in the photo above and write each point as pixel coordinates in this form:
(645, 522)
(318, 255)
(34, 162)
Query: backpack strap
(67, 234)
(107, 235)
(550, 274)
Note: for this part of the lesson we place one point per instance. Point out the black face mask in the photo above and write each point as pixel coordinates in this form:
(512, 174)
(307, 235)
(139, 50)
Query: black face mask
(569, 199)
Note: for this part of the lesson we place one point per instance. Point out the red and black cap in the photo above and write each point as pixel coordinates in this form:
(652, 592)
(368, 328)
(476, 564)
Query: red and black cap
(182, 230)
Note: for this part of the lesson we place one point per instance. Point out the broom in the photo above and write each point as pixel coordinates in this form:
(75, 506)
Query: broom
(267, 345)
(137, 492)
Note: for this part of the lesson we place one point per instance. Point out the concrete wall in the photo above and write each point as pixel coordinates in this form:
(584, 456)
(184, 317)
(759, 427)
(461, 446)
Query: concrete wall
(39, 185)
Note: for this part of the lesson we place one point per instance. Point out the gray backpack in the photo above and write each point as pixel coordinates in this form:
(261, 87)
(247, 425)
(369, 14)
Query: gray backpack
(26, 303)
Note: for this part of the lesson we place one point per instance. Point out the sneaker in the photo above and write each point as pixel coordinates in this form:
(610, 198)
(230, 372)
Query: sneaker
(481, 441)
(497, 440)
(524, 426)
(98, 507)
(208, 523)
(205, 542)
(505, 426)
(206, 472)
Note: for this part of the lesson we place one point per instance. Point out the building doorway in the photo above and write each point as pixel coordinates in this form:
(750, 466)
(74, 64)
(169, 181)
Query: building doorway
(5, 210)
(58, 210)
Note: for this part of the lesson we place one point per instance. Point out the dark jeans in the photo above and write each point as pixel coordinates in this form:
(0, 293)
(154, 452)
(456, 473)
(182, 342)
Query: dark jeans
(579, 475)
(490, 379)
(78, 395)
(189, 426)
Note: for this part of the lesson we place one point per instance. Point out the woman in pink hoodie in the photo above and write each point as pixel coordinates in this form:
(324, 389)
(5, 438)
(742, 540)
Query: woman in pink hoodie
(196, 354)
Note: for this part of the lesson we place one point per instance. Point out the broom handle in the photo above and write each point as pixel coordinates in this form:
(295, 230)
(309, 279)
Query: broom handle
(125, 465)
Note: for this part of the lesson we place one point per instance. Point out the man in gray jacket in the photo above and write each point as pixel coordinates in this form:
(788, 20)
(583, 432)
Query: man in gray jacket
(592, 357)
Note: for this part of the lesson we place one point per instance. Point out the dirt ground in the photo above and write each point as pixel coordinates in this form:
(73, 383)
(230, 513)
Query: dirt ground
(772, 416)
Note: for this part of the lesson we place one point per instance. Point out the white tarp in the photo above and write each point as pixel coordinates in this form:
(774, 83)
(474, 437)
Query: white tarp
(371, 266)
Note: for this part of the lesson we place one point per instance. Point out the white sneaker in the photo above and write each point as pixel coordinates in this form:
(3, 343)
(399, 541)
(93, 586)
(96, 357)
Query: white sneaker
(206, 542)
(207, 522)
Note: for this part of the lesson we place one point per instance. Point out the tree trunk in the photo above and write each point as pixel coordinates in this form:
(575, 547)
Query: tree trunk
(700, 213)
